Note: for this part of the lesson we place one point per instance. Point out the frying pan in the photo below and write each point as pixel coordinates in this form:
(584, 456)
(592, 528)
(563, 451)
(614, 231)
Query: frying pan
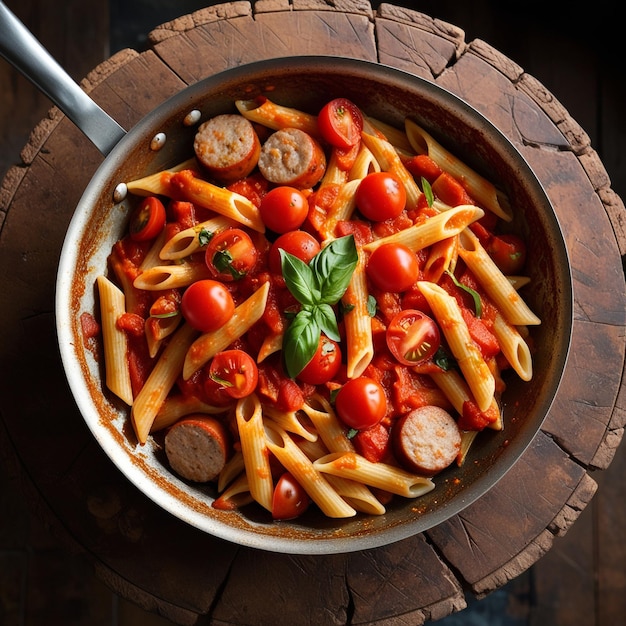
(307, 83)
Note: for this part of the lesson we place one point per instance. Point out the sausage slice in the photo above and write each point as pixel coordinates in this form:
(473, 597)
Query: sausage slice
(292, 157)
(228, 147)
(197, 447)
(426, 440)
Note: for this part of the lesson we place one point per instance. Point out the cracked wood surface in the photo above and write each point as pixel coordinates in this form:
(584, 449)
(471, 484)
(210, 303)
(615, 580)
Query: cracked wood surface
(131, 541)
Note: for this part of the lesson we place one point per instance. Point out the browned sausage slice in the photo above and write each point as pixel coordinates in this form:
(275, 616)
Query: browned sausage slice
(292, 157)
(197, 447)
(228, 146)
(426, 440)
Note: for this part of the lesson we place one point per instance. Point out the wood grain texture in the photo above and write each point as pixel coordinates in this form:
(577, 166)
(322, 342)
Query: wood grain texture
(420, 579)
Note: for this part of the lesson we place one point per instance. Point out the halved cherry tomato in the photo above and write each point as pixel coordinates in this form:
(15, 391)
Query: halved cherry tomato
(393, 267)
(290, 500)
(148, 219)
(380, 196)
(231, 255)
(340, 123)
(361, 403)
(508, 253)
(235, 371)
(324, 365)
(297, 242)
(283, 209)
(207, 305)
(412, 337)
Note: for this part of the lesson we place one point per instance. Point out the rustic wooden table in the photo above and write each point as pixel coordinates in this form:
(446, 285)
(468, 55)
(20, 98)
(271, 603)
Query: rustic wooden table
(168, 567)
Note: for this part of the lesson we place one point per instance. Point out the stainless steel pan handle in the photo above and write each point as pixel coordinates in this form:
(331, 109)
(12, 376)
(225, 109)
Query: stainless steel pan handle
(21, 48)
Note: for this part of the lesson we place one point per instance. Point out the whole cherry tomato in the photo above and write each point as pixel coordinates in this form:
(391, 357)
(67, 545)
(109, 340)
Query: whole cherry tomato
(412, 337)
(361, 403)
(290, 500)
(324, 365)
(380, 196)
(231, 255)
(296, 242)
(393, 267)
(340, 123)
(235, 371)
(283, 209)
(207, 305)
(148, 219)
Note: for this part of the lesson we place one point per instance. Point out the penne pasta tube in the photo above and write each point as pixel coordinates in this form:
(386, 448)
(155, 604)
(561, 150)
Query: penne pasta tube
(171, 276)
(328, 427)
(175, 407)
(395, 136)
(364, 164)
(468, 356)
(276, 116)
(208, 345)
(249, 418)
(152, 257)
(357, 495)
(232, 470)
(467, 439)
(478, 187)
(235, 496)
(117, 374)
(157, 329)
(160, 382)
(187, 241)
(514, 348)
(494, 282)
(218, 199)
(358, 323)
(312, 481)
(390, 161)
(159, 184)
(436, 228)
(442, 257)
(380, 475)
(341, 209)
(270, 345)
(333, 175)
(289, 421)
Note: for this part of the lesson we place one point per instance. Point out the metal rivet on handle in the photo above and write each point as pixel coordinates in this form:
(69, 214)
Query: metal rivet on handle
(158, 141)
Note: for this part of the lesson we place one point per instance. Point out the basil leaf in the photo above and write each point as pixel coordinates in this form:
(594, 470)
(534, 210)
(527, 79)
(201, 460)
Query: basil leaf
(204, 236)
(333, 267)
(223, 262)
(300, 279)
(428, 192)
(477, 302)
(325, 318)
(300, 342)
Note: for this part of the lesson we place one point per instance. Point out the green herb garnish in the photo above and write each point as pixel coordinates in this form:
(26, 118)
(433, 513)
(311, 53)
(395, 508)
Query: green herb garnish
(204, 236)
(477, 303)
(317, 286)
(428, 192)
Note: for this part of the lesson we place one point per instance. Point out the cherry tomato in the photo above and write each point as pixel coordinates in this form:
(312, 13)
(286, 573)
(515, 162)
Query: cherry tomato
(207, 305)
(508, 253)
(381, 196)
(235, 371)
(283, 209)
(412, 337)
(361, 403)
(324, 365)
(297, 242)
(231, 255)
(393, 267)
(340, 123)
(148, 219)
(290, 500)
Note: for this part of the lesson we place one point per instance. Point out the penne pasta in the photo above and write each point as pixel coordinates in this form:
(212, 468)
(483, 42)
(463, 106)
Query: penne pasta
(171, 276)
(443, 257)
(341, 209)
(187, 241)
(218, 199)
(514, 348)
(160, 381)
(152, 258)
(380, 475)
(364, 164)
(494, 282)
(270, 345)
(208, 345)
(249, 419)
(276, 116)
(312, 481)
(177, 406)
(434, 229)
(158, 184)
(358, 323)
(289, 421)
(117, 374)
(328, 427)
(232, 470)
(468, 356)
(478, 187)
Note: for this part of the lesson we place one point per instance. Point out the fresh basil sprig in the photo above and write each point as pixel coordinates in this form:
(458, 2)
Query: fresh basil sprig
(472, 292)
(317, 286)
